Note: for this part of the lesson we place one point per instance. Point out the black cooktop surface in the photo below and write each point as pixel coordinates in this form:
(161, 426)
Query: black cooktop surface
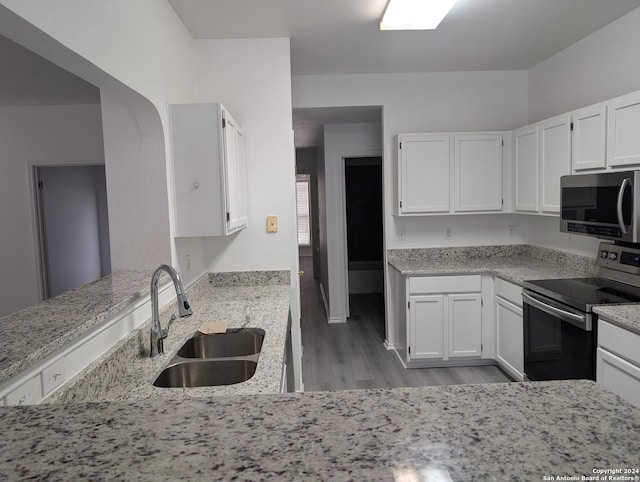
(584, 293)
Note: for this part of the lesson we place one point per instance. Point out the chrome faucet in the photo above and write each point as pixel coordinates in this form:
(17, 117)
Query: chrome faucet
(157, 333)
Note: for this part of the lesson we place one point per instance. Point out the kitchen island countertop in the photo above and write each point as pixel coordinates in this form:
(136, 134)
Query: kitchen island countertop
(504, 431)
(255, 300)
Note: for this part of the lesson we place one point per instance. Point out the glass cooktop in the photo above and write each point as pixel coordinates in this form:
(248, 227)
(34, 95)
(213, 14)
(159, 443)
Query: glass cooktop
(584, 293)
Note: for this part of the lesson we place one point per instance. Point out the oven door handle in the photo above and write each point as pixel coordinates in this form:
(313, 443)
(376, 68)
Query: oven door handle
(573, 318)
(626, 181)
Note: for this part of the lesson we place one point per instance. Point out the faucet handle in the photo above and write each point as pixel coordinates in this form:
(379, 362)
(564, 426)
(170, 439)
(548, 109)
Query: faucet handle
(165, 331)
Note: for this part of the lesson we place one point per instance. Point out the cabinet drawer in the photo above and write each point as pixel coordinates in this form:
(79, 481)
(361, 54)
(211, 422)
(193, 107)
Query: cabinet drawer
(619, 341)
(52, 377)
(618, 376)
(509, 291)
(445, 284)
(29, 393)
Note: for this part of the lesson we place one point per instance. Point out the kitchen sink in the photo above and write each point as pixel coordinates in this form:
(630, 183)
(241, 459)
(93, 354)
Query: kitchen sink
(221, 345)
(214, 360)
(206, 373)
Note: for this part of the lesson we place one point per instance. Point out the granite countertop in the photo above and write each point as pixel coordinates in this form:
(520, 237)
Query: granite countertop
(516, 263)
(32, 334)
(625, 316)
(245, 300)
(505, 431)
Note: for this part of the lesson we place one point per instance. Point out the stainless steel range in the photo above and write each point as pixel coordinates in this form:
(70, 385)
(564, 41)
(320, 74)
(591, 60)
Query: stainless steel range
(560, 328)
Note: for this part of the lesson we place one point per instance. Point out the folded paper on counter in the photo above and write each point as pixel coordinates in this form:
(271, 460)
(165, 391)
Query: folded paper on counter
(213, 327)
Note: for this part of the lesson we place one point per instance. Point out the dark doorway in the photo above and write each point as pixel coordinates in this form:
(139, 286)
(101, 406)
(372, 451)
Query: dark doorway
(363, 189)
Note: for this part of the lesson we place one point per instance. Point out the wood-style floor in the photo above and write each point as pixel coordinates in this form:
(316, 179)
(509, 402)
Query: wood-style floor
(352, 355)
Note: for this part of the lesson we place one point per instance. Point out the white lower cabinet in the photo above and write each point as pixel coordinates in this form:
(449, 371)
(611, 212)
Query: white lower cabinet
(445, 318)
(618, 361)
(509, 339)
(509, 328)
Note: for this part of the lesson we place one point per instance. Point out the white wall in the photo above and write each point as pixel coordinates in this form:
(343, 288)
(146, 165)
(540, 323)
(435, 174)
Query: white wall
(42, 135)
(135, 52)
(137, 194)
(340, 141)
(252, 78)
(447, 101)
(598, 67)
(424, 102)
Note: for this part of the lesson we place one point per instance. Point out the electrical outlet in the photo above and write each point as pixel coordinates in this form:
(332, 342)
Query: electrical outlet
(402, 234)
(511, 230)
(272, 224)
(448, 232)
(188, 262)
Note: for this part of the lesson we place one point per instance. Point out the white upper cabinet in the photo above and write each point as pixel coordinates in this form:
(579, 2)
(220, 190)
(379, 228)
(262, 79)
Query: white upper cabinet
(623, 141)
(209, 171)
(525, 157)
(235, 176)
(449, 173)
(478, 172)
(588, 138)
(423, 173)
(555, 160)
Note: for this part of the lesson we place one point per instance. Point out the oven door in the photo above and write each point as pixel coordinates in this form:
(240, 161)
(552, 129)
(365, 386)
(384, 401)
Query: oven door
(559, 341)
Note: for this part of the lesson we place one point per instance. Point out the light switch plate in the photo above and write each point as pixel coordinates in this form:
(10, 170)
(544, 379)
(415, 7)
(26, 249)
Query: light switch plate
(272, 224)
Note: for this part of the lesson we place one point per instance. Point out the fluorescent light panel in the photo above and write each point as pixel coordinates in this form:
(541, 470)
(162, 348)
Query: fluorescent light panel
(415, 14)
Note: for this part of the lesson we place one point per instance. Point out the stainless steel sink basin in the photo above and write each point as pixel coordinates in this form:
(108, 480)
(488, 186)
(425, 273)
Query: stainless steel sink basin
(206, 373)
(221, 345)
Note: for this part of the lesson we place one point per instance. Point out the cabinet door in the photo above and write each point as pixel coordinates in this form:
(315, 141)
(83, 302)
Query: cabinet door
(478, 172)
(618, 375)
(196, 138)
(509, 338)
(588, 138)
(426, 333)
(623, 141)
(525, 145)
(555, 160)
(464, 321)
(234, 174)
(424, 173)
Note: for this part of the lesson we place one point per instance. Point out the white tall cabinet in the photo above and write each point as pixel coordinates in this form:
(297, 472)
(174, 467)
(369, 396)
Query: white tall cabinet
(209, 171)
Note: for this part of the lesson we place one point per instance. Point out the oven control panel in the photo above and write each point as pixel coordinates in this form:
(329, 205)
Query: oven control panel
(616, 261)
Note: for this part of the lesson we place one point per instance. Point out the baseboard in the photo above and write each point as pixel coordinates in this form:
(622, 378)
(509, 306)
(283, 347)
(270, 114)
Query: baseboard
(324, 301)
(337, 320)
(449, 363)
(389, 346)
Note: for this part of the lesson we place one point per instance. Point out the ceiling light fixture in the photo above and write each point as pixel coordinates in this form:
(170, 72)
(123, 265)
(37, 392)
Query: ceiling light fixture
(415, 14)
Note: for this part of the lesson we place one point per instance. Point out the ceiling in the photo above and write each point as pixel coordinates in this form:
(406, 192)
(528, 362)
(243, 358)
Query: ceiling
(343, 36)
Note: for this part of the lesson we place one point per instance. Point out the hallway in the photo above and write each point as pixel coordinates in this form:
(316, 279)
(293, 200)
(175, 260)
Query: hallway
(352, 355)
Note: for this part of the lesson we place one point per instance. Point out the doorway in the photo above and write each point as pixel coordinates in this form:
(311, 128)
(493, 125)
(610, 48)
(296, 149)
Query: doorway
(364, 233)
(72, 226)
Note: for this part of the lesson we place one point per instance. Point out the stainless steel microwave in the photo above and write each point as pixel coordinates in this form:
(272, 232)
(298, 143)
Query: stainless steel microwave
(601, 205)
